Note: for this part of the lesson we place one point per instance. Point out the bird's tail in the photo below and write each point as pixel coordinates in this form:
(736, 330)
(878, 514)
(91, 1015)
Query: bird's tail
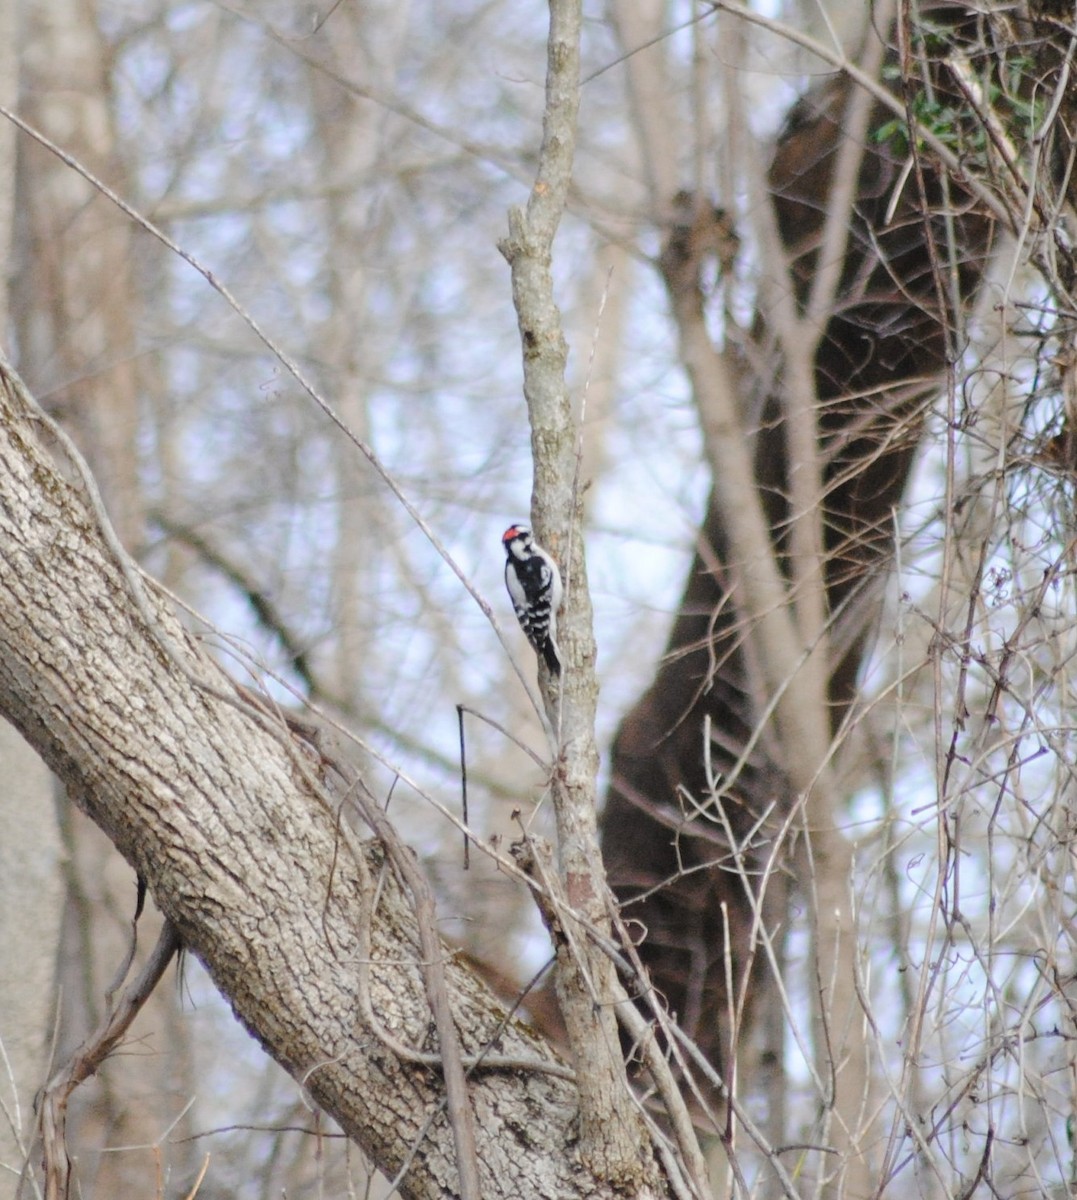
(552, 656)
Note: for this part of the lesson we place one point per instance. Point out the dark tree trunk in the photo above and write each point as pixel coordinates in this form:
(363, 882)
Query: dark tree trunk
(884, 352)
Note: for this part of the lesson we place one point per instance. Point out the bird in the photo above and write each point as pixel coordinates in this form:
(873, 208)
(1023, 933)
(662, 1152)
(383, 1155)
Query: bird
(534, 586)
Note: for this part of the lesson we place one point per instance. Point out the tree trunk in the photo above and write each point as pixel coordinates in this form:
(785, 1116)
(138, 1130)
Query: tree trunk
(706, 775)
(234, 825)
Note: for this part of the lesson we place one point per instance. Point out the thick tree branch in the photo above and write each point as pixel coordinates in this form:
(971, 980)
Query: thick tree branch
(232, 823)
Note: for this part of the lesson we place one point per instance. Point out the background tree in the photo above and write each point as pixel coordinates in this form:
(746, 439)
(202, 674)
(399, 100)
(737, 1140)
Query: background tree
(723, 775)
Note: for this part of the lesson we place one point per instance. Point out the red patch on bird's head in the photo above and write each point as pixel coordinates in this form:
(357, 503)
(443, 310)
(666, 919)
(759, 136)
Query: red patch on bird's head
(513, 531)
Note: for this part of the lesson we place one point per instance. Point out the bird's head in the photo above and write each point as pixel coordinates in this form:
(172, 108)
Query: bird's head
(516, 538)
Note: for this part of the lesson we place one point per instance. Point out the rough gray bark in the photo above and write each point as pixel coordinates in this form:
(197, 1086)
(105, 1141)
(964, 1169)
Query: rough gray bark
(233, 823)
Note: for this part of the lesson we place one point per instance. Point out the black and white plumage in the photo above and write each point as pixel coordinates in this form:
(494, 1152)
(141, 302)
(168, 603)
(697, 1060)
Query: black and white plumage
(534, 585)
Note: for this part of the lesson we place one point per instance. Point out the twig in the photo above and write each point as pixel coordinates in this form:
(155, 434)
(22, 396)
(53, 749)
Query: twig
(437, 990)
(85, 1061)
(463, 785)
(506, 733)
(198, 1181)
(271, 618)
(129, 957)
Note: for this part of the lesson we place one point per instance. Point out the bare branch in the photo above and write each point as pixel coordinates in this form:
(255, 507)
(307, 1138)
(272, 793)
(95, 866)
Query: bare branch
(85, 1061)
(611, 1132)
(461, 1116)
